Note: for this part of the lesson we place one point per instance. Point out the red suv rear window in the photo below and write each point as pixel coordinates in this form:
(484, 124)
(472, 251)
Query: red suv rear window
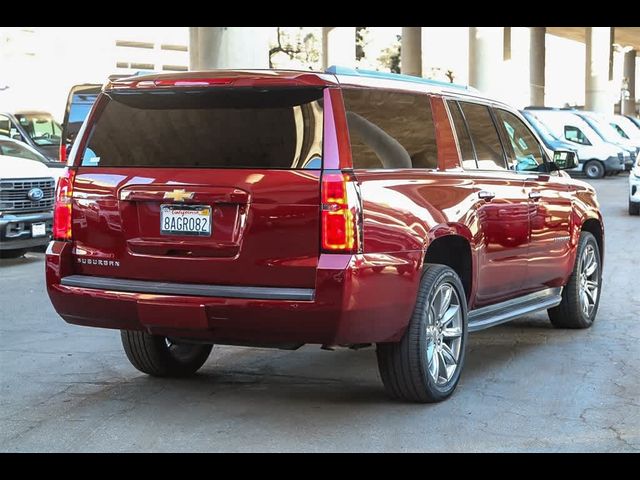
(209, 128)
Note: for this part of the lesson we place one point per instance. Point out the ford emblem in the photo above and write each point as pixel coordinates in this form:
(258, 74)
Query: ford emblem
(35, 194)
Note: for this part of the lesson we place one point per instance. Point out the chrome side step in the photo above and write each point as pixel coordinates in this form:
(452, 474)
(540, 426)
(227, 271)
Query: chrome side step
(493, 315)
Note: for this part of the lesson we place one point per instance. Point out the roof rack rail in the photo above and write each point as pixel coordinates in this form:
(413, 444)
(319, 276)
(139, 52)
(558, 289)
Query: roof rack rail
(338, 70)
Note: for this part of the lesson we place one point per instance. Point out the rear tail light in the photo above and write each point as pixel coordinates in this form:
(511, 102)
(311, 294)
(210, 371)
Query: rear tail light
(62, 207)
(340, 213)
(62, 156)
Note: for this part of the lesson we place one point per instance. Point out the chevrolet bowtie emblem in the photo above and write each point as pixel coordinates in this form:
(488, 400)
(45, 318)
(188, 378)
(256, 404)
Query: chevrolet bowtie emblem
(179, 195)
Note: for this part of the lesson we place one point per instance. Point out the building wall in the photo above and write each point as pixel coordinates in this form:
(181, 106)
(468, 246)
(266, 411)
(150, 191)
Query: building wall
(38, 65)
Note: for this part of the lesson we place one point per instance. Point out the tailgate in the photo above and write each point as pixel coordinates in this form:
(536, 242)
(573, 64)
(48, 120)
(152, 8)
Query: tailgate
(195, 186)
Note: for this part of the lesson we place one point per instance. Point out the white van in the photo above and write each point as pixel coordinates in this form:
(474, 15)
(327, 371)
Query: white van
(625, 128)
(597, 157)
(601, 126)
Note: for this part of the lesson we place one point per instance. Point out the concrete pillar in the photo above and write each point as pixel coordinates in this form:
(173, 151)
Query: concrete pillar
(338, 46)
(228, 47)
(537, 52)
(598, 51)
(411, 51)
(629, 73)
(193, 48)
(486, 49)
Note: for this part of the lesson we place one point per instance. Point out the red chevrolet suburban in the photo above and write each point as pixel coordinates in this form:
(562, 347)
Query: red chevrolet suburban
(345, 208)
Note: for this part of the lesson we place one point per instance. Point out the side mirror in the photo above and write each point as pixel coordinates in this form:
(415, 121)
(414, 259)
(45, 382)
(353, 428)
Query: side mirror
(17, 136)
(564, 160)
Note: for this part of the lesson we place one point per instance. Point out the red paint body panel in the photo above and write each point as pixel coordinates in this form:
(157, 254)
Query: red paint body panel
(267, 233)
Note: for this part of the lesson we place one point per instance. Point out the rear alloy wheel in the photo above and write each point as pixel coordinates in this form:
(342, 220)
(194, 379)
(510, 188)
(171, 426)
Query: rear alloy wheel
(581, 294)
(161, 356)
(594, 169)
(634, 208)
(425, 365)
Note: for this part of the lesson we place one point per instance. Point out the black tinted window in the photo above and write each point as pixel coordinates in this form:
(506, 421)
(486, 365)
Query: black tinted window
(484, 135)
(390, 129)
(462, 134)
(214, 128)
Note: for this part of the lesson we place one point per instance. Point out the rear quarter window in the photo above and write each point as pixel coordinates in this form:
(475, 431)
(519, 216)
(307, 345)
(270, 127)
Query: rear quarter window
(390, 129)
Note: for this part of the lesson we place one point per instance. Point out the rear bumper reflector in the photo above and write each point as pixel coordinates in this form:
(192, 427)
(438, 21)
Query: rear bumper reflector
(191, 289)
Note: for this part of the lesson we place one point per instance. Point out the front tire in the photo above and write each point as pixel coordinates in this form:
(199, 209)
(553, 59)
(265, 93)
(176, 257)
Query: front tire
(634, 208)
(581, 294)
(425, 365)
(162, 357)
(594, 169)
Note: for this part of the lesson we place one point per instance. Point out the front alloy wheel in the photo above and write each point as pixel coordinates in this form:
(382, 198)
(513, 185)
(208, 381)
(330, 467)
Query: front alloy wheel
(444, 334)
(581, 294)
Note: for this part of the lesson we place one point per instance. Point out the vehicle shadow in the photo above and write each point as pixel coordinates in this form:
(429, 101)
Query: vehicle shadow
(24, 260)
(316, 377)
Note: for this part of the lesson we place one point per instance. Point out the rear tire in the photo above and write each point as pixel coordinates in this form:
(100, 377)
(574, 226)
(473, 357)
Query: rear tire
(13, 253)
(580, 301)
(594, 169)
(425, 365)
(160, 357)
(634, 208)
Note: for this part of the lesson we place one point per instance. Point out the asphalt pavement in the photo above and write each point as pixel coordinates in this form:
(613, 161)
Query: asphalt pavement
(526, 386)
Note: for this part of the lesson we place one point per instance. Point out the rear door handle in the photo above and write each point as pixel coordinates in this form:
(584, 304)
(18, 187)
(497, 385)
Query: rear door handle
(485, 195)
(535, 195)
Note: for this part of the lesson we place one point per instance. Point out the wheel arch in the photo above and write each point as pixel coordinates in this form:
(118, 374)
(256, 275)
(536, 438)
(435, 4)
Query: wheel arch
(594, 227)
(453, 249)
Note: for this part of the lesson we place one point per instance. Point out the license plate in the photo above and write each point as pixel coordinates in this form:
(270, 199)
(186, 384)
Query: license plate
(38, 230)
(185, 220)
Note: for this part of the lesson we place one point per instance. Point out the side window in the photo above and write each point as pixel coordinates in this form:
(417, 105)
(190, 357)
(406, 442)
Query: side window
(619, 130)
(462, 134)
(525, 153)
(484, 136)
(390, 129)
(5, 126)
(574, 134)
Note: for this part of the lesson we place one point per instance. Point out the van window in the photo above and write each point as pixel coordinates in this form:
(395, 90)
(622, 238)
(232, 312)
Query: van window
(524, 152)
(619, 130)
(574, 134)
(462, 133)
(390, 129)
(484, 135)
(209, 128)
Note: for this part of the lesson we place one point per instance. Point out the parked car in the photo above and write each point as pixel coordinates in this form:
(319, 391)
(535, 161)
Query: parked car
(634, 189)
(14, 148)
(550, 140)
(599, 157)
(345, 208)
(625, 128)
(79, 102)
(26, 205)
(37, 129)
(601, 126)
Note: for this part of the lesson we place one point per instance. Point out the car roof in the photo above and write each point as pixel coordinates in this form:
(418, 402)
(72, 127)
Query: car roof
(333, 76)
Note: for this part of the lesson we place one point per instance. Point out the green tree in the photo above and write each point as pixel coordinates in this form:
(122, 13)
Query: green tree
(362, 40)
(298, 45)
(390, 56)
